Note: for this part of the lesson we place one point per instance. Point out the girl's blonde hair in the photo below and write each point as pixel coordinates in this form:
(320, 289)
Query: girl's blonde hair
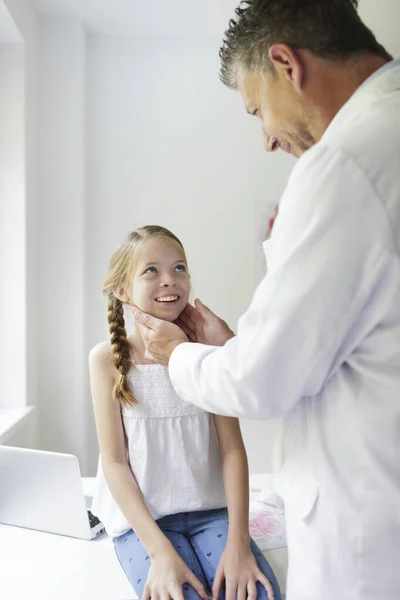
(120, 275)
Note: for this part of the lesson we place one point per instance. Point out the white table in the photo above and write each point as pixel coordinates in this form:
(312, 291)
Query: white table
(43, 566)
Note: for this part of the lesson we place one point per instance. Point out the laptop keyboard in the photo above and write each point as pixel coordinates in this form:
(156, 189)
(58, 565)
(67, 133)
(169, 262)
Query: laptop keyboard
(92, 520)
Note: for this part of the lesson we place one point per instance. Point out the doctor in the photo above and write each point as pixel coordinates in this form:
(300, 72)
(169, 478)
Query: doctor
(319, 346)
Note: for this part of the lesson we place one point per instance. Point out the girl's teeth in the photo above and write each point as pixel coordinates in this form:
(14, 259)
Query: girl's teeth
(168, 299)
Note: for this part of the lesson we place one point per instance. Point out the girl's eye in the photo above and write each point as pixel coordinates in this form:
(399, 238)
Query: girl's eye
(181, 268)
(151, 270)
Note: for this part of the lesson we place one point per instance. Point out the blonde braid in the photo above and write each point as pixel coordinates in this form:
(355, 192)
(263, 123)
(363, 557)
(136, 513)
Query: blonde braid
(121, 351)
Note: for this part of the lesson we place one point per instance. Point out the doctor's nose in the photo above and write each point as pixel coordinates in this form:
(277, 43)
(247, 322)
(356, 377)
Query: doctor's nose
(271, 144)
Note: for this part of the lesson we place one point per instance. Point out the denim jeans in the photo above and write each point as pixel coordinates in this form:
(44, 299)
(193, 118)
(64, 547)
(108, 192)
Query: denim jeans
(199, 538)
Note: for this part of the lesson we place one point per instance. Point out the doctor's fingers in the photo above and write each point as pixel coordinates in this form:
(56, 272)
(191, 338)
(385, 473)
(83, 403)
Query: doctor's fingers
(190, 320)
(192, 317)
(204, 313)
(145, 333)
(190, 311)
(186, 329)
(146, 320)
(200, 314)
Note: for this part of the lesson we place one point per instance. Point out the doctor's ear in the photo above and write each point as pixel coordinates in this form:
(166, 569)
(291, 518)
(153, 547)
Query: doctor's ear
(287, 63)
(119, 292)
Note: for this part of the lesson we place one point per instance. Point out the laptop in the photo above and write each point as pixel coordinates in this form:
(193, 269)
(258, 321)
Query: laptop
(43, 490)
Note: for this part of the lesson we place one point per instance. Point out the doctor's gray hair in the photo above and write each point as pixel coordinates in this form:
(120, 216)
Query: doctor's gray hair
(330, 29)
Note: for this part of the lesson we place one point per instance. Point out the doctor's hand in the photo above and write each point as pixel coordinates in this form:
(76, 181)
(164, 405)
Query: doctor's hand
(239, 570)
(159, 337)
(201, 325)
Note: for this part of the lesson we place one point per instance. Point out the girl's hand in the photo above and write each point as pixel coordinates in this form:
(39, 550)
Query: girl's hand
(167, 574)
(239, 569)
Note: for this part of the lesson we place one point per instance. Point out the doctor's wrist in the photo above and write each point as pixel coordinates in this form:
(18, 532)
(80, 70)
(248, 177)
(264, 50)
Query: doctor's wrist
(172, 347)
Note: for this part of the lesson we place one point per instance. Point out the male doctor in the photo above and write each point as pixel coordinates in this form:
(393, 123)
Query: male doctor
(319, 345)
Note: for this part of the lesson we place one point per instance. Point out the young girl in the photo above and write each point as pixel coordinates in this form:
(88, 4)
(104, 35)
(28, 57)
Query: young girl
(164, 462)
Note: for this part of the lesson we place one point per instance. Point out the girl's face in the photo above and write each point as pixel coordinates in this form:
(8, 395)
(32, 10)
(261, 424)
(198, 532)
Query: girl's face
(161, 283)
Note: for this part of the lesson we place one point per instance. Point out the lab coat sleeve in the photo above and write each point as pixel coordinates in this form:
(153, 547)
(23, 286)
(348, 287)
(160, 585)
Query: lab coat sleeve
(325, 257)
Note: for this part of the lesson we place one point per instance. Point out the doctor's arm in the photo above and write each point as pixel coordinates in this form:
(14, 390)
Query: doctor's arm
(325, 257)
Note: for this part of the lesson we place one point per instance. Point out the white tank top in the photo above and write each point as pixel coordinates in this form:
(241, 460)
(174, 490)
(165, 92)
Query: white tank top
(172, 449)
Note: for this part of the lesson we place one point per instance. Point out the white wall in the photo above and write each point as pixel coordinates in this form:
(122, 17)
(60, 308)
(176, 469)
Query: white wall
(168, 144)
(12, 227)
(383, 19)
(26, 20)
(60, 236)
(55, 247)
(121, 132)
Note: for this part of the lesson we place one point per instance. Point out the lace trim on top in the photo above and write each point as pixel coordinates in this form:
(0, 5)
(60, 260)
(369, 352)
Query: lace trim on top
(157, 398)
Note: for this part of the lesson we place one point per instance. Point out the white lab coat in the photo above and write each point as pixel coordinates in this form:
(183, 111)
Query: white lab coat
(319, 347)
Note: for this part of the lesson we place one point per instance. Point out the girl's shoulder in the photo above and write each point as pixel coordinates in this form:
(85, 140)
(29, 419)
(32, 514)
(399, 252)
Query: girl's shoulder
(100, 358)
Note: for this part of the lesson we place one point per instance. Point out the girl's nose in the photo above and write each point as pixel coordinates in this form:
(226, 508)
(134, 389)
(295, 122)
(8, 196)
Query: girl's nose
(168, 281)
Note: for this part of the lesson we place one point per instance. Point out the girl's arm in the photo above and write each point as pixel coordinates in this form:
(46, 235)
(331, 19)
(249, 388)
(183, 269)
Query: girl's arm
(237, 567)
(168, 571)
(235, 472)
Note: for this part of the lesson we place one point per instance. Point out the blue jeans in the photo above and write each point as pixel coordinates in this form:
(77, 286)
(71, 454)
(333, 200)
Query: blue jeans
(200, 539)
